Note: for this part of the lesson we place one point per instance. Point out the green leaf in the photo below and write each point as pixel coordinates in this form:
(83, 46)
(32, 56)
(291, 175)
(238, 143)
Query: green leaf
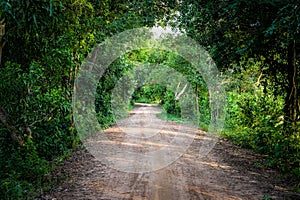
(51, 8)
(34, 19)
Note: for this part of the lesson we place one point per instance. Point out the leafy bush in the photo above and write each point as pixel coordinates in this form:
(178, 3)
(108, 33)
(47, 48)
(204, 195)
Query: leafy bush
(255, 120)
(36, 128)
(149, 94)
(22, 170)
(170, 104)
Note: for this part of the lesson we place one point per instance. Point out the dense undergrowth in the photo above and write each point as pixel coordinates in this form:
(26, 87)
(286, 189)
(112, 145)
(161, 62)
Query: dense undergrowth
(255, 120)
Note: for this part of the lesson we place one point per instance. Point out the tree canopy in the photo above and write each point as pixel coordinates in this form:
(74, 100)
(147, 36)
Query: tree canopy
(255, 45)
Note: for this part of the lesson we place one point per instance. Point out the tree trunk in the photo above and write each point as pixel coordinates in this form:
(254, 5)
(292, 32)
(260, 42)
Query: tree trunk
(14, 133)
(197, 103)
(291, 101)
(2, 33)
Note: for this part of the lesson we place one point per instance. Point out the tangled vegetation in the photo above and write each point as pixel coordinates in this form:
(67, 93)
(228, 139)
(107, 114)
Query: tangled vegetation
(44, 43)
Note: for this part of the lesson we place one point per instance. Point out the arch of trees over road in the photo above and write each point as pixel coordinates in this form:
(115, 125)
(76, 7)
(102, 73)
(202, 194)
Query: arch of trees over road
(255, 45)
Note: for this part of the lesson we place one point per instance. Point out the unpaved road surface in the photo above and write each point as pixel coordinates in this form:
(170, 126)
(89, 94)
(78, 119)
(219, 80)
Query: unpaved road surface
(227, 172)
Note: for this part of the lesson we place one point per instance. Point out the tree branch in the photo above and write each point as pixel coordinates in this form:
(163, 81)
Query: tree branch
(181, 92)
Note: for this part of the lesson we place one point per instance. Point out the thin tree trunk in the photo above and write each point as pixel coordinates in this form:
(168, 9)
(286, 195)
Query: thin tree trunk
(14, 133)
(177, 95)
(291, 101)
(197, 103)
(2, 33)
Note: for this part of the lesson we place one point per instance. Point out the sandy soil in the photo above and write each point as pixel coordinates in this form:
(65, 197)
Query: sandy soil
(227, 172)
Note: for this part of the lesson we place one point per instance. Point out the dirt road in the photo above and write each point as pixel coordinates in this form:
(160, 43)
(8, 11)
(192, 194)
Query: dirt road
(178, 173)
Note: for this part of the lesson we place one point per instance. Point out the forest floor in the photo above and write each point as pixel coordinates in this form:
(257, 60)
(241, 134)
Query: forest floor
(226, 172)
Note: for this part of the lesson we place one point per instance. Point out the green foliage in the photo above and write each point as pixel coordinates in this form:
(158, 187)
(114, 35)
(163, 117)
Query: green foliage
(267, 197)
(157, 94)
(27, 171)
(21, 165)
(153, 94)
(170, 105)
(204, 110)
(46, 42)
(255, 120)
(105, 89)
(36, 130)
(261, 49)
(166, 116)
